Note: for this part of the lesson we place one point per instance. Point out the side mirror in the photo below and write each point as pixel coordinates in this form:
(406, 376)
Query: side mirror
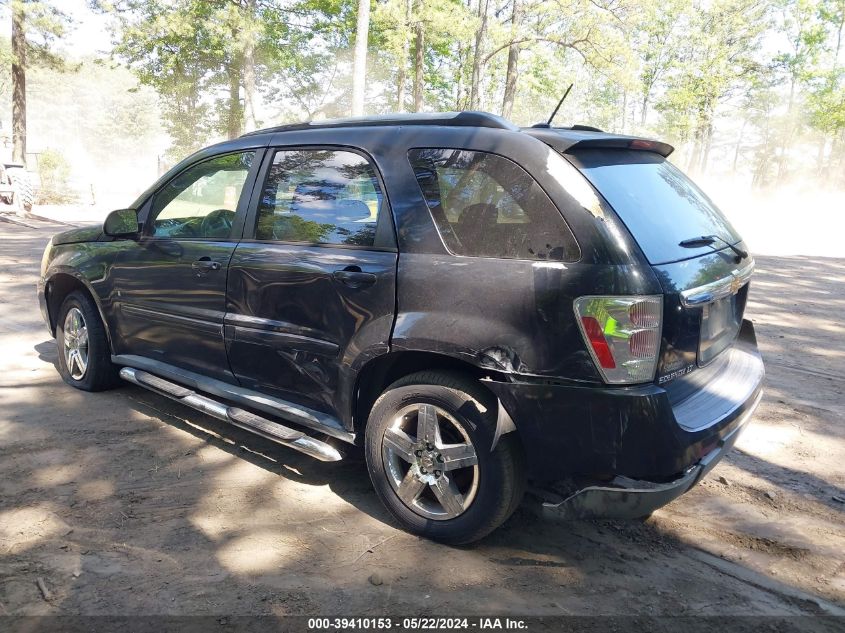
(121, 223)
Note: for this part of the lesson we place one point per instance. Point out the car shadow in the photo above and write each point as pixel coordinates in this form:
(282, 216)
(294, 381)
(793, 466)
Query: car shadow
(823, 491)
(524, 549)
(347, 478)
(48, 353)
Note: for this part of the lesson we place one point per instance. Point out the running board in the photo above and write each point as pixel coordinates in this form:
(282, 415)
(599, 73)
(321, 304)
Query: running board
(264, 404)
(273, 431)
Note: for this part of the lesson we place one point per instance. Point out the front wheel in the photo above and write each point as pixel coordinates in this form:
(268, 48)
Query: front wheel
(429, 448)
(84, 357)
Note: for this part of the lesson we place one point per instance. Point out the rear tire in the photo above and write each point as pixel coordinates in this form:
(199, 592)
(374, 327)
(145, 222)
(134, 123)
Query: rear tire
(6, 198)
(84, 354)
(445, 484)
(22, 183)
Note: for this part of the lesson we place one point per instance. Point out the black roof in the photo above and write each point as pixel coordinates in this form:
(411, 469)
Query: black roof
(561, 138)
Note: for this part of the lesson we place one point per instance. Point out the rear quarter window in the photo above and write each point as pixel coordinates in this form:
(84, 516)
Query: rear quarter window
(485, 205)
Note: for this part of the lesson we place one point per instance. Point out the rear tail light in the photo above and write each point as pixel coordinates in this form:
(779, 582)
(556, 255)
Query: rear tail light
(622, 334)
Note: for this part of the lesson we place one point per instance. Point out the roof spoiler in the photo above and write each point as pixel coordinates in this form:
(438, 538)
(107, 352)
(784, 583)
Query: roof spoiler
(567, 139)
(624, 142)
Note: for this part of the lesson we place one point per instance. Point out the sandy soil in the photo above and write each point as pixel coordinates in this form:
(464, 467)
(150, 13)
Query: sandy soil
(125, 503)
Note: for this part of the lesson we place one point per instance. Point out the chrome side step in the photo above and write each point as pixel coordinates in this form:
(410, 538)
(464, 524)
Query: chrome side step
(273, 431)
(275, 407)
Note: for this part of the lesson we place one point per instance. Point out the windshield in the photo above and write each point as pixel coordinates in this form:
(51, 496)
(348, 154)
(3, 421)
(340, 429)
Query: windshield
(660, 206)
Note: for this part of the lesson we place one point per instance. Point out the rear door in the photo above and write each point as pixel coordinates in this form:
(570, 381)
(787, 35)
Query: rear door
(311, 289)
(170, 286)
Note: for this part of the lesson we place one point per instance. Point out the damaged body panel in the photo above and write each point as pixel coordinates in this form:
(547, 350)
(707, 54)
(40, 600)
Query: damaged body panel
(512, 316)
(644, 432)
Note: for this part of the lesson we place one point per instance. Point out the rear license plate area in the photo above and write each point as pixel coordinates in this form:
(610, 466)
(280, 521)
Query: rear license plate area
(720, 321)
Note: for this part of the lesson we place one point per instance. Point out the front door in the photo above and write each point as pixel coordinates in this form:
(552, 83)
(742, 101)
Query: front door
(312, 284)
(170, 287)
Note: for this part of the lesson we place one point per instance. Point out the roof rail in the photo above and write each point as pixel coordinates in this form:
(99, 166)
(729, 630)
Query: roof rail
(465, 118)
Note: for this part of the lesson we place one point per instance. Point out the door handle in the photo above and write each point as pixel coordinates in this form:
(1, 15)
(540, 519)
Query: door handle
(204, 264)
(352, 277)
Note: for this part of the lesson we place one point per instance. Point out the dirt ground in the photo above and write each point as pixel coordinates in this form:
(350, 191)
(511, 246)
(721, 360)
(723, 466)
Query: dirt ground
(125, 503)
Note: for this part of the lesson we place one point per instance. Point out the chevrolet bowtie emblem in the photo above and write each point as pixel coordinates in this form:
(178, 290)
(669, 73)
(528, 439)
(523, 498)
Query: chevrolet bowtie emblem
(736, 283)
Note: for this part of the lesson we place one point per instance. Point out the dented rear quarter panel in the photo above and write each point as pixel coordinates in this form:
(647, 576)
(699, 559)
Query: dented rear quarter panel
(511, 316)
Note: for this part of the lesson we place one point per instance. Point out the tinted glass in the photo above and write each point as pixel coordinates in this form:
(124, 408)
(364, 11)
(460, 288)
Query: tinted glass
(656, 201)
(320, 197)
(485, 205)
(201, 201)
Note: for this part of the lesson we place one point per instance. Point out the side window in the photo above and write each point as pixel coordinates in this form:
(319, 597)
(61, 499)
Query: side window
(485, 205)
(201, 201)
(320, 197)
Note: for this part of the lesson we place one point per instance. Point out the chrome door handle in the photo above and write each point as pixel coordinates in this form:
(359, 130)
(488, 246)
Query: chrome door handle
(205, 263)
(353, 277)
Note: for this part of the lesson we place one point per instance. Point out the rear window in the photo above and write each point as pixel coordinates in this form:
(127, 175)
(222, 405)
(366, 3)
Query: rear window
(485, 205)
(657, 202)
(319, 197)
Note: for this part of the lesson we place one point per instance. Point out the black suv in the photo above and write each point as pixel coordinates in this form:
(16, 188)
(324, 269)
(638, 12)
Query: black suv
(479, 305)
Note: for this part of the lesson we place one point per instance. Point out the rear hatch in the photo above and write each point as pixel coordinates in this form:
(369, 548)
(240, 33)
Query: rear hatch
(696, 254)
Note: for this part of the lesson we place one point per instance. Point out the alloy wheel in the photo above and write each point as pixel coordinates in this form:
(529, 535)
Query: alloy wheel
(431, 462)
(75, 335)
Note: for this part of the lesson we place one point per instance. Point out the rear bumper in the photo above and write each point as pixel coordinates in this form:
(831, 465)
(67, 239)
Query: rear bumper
(625, 498)
(642, 433)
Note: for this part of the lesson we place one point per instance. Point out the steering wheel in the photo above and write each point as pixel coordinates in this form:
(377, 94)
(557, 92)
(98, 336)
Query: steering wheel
(218, 223)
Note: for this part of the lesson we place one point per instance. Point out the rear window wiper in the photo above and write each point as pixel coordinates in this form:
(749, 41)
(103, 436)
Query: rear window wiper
(707, 240)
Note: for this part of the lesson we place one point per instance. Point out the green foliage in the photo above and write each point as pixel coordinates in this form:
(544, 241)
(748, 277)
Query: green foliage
(195, 54)
(710, 66)
(54, 170)
(45, 25)
(292, 227)
(826, 102)
(826, 99)
(176, 52)
(751, 79)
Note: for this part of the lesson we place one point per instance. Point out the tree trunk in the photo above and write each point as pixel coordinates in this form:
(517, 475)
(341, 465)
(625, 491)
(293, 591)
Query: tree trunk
(759, 179)
(400, 87)
(624, 110)
(695, 152)
(739, 145)
(475, 89)
(18, 85)
(249, 70)
(644, 113)
(406, 51)
(235, 127)
(706, 145)
(250, 122)
(512, 73)
(359, 65)
(820, 155)
(460, 88)
(419, 67)
(835, 150)
(786, 132)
